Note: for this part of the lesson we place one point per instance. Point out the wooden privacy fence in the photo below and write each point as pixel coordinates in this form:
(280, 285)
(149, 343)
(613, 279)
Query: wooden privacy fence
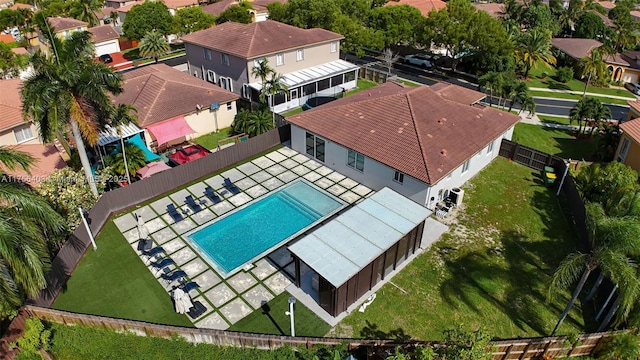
(123, 198)
(502, 350)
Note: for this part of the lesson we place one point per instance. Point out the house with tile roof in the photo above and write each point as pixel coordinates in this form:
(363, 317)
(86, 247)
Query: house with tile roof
(105, 38)
(64, 26)
(21, 135)
(419, 141)
(628, 151)
(5, 4)
(258, 12)
(425, 6)
(308, 59)
(174, 106)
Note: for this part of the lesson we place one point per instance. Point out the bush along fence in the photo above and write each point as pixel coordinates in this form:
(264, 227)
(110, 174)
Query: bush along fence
(535, 348)
(123, 198)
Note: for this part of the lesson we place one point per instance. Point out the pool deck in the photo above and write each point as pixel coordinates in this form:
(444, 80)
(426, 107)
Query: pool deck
(230, 299)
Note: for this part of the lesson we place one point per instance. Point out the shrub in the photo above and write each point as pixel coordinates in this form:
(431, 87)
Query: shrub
(35, 337)
(564, 74)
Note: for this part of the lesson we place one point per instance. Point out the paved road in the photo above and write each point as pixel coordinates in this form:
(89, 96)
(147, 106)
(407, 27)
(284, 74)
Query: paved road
(562, 107)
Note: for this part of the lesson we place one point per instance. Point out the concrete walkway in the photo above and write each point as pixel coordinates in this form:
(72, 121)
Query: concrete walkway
(580, 93)
(533, 119)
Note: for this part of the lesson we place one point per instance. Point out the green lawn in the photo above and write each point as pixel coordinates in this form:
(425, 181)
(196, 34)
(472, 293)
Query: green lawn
(297, 110)
(555, 120)
(409, 82)
(112, 281)
(210, 141)
(276, 322)
(491, 270)
(556, 95)
(538, 79)
(555, 141)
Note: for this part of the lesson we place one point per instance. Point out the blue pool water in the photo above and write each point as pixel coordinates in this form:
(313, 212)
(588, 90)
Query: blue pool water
(241, 236)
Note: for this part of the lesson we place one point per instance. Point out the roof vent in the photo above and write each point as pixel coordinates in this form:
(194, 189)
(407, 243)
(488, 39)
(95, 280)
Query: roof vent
(443, 152)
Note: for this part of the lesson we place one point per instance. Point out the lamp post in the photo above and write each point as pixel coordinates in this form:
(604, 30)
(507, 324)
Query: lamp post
(124, 156)
(86, 225)
(292, 302)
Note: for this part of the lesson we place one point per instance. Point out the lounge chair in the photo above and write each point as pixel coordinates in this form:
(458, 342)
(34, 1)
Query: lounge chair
(212, 195)
(197, 310)
(231, 187)
(153, 254)
(193, 204)
(145, 244)
(173, 212)
(176, 275)
(162, 263)
(190, 286)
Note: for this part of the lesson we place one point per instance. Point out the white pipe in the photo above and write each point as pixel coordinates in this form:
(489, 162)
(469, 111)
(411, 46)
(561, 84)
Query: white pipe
(86, 225)
(566, 170)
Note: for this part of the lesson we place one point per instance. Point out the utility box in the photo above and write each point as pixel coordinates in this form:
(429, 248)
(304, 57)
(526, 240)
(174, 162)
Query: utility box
(456, 195)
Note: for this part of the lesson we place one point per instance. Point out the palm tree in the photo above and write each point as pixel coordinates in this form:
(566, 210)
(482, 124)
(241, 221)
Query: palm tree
(275, 85)
(240, 122)
(68, 88)
(122, 116)
(491, 81)
(24, 235)
(154, 45)
(259, 122)
(520, 95)
(532, 47)
(612, 240)
(134, 161)
(84, 10)
(262, 70)
(579, 113)
(593, 67)
(589, 110)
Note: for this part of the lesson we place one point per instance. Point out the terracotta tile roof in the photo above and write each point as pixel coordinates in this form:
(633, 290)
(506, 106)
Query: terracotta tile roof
(494, 9)
(126, 8)
(105, 12)
(63, 23)
(17, 6)
(2, 2)
(414, 130)
(160, 92)
(7, 38)
(258, 39)
(20, 51)
(103, 33)
(617, 59)
(607, 4)
(459, 94)
(10, 104)
(632, 128)
(177, 4)
(575, 47)
(635, 104)
(261, 5)
(217, 8)
(635, 14)
(425, 6)
(47, 161)
(605, 19)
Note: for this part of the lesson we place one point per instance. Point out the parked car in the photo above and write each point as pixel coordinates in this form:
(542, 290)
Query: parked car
(418, 60)
(15, 32)
(633, 87)
(105, 58)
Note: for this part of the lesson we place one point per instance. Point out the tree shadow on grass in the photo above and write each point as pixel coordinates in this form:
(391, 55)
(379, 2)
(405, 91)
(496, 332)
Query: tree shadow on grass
(372, 331)
(555, 85)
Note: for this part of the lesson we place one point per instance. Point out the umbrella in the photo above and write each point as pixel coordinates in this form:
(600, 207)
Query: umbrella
(143, 232)
(152, 168)
(182, 301)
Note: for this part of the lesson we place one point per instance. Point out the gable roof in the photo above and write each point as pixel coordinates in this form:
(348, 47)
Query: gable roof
(160, 92)
(126, 8)
(608, 5)
(261, 5)
(258, 39)
(47, 160)
(632, 128)
(177, 4)
(217, 8)
(64, 23)
(103, 33)
(605, 19)
(422, 132)
(10, 104)
(425, 6)
(635, 104)
(7, 38)
(575, 47)
(20, 51)
(104, 12)
(495, 10)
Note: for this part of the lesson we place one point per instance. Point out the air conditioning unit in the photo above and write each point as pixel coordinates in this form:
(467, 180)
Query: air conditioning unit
(456, 195)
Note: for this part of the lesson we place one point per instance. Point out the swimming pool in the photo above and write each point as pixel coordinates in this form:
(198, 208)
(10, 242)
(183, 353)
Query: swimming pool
(241, 236)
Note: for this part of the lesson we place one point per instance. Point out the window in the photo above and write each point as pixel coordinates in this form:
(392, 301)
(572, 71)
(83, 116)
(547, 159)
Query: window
(398, 177)
(355, 160)
(279, 59)
(256, 62)
(324, 84)
(229, 106)
(315, 146)
(24, 134)
(350, 76)
(207, 54)
(299, 54)
(490, 148)
(211, 76)
(334, 46)
(309, 89)
(245, 91)
(226, 83)
(336, 80)
(624, 149)
(465, 166)
(225, 59)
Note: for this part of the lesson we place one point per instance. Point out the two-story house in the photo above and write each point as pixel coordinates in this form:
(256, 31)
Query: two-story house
(63, 26)
(422, 142)
(308, 60)
(628, 151)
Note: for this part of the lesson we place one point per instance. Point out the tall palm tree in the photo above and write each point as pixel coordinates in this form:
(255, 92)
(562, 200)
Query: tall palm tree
(520, 95)
(68, 88)
(532, 47)
(24, 235)
(589, 111)
(122, 116)
(154, 45)
(262, 70)
(593, 67)
(259, 122)
(84, 10)
(579, 113)
(274, 86)
(491, 81)
(612, 240)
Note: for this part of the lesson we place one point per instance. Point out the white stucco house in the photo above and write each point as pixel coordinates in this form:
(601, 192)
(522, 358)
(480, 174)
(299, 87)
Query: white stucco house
(105, 38)
(419, 141)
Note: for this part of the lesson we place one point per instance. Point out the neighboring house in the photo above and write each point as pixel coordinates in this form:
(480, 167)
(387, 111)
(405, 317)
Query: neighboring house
(419, 141)
(634, 109)
(308, 59)
(123, 10)
(21, 6)
(5, 4)
(174, 106)
(64, 27)
(425, 6)
(495, 10)
(258, 12)
(607, 5)
(119, 3)
(25, 72)
(23, 136)
(175, 5)
(104, 15)
(105, 38)
(628, 151)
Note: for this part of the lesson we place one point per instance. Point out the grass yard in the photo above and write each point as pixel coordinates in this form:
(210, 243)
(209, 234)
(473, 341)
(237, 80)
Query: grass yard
(490, 270)
(555, 141)
(605, 100)
(555, 120)
(210, 141)
(112, 281)
(276, 322)
(539, 80)
(297, 110)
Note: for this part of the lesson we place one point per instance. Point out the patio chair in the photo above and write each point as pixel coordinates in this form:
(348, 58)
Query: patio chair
(173, 212)
(153, 254)
(231, 187)
(193, 204)
(197, 310)
(190, 286)
(176, 275)
(212, 195)
(162, 263)
(145, 244)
